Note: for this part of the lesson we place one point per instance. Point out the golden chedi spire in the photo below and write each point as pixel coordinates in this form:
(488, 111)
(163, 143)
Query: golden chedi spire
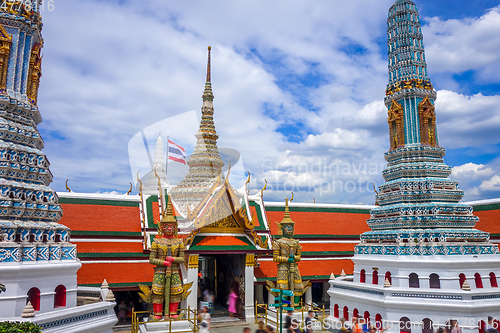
(205, 163)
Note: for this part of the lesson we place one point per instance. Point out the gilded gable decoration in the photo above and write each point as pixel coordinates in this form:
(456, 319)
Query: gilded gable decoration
(35, 73)
(395, 118)
(427, 119)
(5, 45)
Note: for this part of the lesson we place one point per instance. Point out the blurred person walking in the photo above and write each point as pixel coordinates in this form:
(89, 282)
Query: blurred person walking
(205, 321)
(261, 327)
(308, 322)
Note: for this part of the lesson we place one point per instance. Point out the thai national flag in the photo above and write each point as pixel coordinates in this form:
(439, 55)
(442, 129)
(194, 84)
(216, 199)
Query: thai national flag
(176, 153)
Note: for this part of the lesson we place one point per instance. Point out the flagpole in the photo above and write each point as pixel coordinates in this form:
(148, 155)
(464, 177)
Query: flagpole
(166, 161)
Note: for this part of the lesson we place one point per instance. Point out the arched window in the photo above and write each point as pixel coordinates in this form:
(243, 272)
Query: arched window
(404, 325)
(375, 277)
(60, 296)
(482, 326)
(346, 313)
(34, 298)
(493, 280)
(362, 276)
(378, 321)
(461, 278)
(367, 318)
(355, 313)
(336, 311)
(413, 281)
(427, 326)
(479, 281)
(434, 281)
(388, 277)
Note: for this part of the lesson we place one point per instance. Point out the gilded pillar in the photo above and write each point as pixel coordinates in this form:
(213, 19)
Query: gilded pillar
(5, 45)
(192, 275)
(249, 288)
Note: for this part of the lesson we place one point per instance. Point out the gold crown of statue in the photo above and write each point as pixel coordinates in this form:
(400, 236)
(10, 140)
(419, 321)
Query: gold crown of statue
(286, 219)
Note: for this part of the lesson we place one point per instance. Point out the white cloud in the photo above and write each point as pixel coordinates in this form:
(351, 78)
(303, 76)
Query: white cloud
(492, 184)
(466, 44)
(110, 70)
(471, 171)
(465, 121)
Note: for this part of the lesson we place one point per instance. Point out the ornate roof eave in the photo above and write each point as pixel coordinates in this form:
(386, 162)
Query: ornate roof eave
(238, 213)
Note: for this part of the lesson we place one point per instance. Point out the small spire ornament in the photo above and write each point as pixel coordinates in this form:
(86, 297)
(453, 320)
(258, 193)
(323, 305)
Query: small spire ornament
(28, 311)
(104, 284)
(466, 286)
(110, 297)
(343, 274)
(387, 284)
(332, 276)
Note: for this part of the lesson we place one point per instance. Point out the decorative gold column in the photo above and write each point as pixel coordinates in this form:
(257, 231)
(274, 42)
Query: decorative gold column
(427, 122)
(35, 73)
(250, 260)
(395, 119)
(5, 44)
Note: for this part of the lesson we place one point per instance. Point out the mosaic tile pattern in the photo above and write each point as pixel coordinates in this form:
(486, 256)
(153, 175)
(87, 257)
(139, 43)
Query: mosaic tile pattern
(29, 208)
(418, 211)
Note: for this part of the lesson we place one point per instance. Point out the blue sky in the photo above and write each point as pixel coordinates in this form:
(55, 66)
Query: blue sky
(298, 90)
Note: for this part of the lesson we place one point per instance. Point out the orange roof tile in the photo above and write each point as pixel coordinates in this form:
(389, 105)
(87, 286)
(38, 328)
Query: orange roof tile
(322, 223)
(327, 246)
(107, 247)
(221, 241)
(255, 219)
(156, 212)
(489, 221)
(101, 218)
(308, 268)
(115, 273)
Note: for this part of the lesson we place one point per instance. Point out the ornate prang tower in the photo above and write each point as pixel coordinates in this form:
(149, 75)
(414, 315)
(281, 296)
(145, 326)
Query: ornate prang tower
(36, 257)
(205, 163)
(423, 261)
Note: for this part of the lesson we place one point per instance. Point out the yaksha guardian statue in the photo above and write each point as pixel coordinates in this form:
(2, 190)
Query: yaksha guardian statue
(287, 253)
(167, 253)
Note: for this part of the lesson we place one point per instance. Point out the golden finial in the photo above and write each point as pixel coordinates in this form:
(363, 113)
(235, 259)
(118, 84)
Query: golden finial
(228, 169)
(128, 192)
(246, 183)
(375, 189)
(265, 186)
(69, 190)
(160, 196)
(314, 200)
(208, 64)
(291, 198)
(139, 180)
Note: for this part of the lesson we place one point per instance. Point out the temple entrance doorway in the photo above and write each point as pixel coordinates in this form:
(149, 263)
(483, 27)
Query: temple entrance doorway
(219, 274)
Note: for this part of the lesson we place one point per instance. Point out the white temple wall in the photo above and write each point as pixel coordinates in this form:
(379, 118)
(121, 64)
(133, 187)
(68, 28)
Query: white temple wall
(447, 268)
(19, 278)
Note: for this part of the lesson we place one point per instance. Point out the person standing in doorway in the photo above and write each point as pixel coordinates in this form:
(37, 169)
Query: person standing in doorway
(232, 303)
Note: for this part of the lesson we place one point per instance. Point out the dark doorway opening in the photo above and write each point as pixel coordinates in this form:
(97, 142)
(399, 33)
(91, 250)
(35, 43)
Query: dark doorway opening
(219, 274)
